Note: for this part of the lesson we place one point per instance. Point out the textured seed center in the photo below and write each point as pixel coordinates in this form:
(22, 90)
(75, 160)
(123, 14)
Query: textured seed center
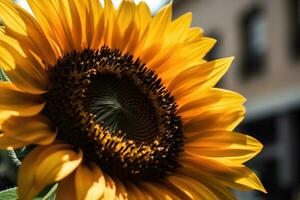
(120, 106)
(116, 111)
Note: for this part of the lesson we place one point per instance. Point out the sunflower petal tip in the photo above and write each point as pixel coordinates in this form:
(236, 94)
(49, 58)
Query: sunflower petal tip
(226, 61)
(261, 188)
(230, 59)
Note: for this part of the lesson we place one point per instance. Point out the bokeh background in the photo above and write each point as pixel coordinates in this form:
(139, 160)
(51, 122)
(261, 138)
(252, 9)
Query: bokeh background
(264, 37)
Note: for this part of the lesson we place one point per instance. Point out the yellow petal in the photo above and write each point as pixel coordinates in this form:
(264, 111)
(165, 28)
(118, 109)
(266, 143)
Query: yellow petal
(4, 115)
(34, 130)
(184, 57)
(124, 25)
(230, 174)
(2, 30)
(24, 28)
(228, 119)
(178, 29)
(125, 14)
(22, 103)
(224, 146)
(22, 67)
(135, 193)
(109, 16)
(9, 143)
(95, 11)
(52, 26)
(158, 24)
(159, 191)
(213, 109)
(66, 188)
(99, 26)
(70, 16)
(121, 193)
(190, 187)
(203, 76)
(209, 100)
(89, 182)
(210, 182)
(110, 188)
(46, 165)
(143, 16)
(194, 34)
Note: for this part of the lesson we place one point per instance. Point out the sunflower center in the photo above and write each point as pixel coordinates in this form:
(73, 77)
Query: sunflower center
(116, 111)
(120, 106)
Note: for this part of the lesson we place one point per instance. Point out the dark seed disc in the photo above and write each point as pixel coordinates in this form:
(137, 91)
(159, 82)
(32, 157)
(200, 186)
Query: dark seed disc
(116, 111)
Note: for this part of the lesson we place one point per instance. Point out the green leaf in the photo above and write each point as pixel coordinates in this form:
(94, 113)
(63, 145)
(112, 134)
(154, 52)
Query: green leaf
(12, 154)
(18, 155)
(9, 194)
(3, 77)
(51, 194)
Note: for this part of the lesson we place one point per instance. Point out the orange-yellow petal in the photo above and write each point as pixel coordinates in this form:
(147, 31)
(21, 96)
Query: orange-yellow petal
(22, 67)
(190, 187)
(9, 143)
(159, 191)
(110, 188)
(46, 165)
(184, 56)
(157, 26)
(95, 20)
(52, 26)
(109, 16)
(143, 16)
(125, 25)
(99, 24)
(4, 115)
(23, 27)
(212, 100)
(24, 104)
(210, 182)
(70, 17)
(230, 174)
(89, 182)
(203, 76)
(32, 130)
(210, 121)
(194, 34)
(121, 193)
(214, 109)
(66, 188)
(136, 193)
(181, 25)
(224, 146)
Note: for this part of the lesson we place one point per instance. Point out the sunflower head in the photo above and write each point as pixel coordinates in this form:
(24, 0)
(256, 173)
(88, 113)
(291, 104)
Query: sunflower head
(118, 104)
(119, 108)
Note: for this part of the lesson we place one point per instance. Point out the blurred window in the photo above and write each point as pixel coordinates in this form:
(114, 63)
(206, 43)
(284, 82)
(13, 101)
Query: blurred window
(296, 121)
(263, 129)
(254, 42)
(294, 12)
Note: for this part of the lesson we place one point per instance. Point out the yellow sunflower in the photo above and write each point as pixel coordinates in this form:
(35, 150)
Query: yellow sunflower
(118, 104)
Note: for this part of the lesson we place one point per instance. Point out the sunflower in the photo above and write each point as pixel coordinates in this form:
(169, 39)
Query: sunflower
(118, 104)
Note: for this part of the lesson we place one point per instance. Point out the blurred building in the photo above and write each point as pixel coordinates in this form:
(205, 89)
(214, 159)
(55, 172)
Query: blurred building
(264, 36)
